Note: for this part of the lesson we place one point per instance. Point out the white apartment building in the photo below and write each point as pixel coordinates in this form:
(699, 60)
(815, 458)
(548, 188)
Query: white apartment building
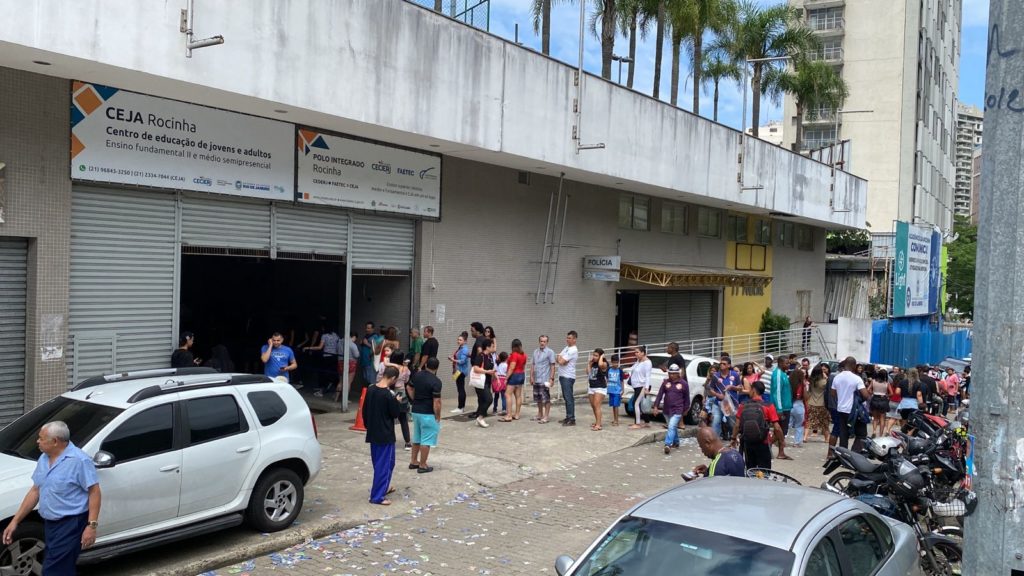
(771, 132)
(901, 60)
(968, 139)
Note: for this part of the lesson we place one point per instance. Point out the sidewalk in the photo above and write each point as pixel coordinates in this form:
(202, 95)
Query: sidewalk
(468, 459)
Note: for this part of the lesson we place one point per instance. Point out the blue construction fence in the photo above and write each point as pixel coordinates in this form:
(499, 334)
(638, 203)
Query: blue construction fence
(912, 341)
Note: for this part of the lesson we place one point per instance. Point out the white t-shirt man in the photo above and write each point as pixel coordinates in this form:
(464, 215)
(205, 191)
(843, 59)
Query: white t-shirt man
(846, 384)
(570, 354)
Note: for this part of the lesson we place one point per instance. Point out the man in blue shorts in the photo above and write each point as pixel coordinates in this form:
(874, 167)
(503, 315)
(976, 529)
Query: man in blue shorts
(425, 393)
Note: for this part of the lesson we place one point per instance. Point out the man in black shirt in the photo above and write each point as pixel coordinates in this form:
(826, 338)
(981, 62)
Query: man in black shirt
(476, 330)
(928, 389)
(380, 409)
(429, 349)
(426, 414)
(675, 357)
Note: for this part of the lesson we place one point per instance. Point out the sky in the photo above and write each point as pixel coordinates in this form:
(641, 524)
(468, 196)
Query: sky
(505, 14)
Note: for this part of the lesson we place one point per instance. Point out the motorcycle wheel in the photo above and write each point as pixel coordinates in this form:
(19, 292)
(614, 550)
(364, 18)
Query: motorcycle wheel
(944, 559)
(841, 482)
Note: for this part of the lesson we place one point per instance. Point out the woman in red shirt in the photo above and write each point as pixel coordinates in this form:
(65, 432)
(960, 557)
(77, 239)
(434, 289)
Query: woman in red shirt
(516, 378)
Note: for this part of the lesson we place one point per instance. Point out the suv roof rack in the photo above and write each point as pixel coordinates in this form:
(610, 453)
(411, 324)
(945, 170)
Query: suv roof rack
(171, 386)
(140, 374)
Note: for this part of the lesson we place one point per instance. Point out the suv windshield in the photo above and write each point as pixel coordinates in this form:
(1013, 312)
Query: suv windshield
(84, 419)
(653, 548)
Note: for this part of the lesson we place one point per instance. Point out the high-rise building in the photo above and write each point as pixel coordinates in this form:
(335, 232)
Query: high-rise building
(968, 138)
(901, 60)
(975, 184)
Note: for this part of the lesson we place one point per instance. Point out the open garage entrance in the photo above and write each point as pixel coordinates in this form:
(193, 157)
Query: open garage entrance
(240, 301)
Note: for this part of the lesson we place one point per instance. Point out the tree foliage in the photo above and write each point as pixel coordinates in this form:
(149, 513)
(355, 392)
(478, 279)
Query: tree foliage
(847, 242)
(960, 270)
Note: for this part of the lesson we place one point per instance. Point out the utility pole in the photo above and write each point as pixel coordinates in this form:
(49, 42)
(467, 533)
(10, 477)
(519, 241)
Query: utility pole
(994, 544)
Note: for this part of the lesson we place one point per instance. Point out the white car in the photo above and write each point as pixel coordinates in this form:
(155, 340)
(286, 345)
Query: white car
(697, 370)
(178, 453)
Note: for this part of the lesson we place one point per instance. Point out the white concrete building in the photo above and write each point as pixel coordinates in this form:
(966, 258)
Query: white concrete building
(771, 132)
(197, 219)
(969, 124)
(901, 60)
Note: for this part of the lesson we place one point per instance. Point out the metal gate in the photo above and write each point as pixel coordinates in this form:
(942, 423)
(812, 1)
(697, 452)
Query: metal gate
(678, 316)
(122, 281)
(13, 282)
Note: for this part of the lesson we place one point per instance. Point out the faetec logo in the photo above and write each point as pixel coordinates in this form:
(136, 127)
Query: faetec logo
(238, 184)
(426, 175)
(203, 181)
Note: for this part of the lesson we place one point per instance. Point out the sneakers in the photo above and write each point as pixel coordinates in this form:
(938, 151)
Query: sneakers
(318, 394)
(455, 411)
(482, 423)
(667, 449)
(408, 446)
(568, 423)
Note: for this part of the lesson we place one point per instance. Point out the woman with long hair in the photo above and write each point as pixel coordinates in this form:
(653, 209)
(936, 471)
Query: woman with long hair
(484, 365)
(460, 369)
(818, 419)
(751, 373)
(879, 401)
(397, 360)
(516, 379)
(911, 398)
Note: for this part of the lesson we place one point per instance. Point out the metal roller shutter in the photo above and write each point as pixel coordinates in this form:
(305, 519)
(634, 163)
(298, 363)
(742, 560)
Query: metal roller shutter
(651, 321)
(702, 323)
(122, 281)
(13, 283)
(225, 222)
(310, 230)
(383, 243)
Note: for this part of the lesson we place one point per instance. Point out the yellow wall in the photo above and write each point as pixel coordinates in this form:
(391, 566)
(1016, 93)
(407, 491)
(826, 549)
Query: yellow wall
(742, 311)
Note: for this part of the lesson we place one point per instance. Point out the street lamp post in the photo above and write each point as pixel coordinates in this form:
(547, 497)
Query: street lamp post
(620, 60)
(746, 81)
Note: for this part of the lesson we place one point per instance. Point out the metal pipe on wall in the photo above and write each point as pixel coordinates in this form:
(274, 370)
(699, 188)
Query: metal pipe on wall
(547, 246)
(346, 384)
(561, 236)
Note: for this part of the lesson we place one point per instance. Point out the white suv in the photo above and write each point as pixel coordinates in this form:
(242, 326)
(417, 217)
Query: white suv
(178, 453)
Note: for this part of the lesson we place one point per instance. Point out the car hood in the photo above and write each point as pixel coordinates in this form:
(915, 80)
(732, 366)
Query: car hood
(15, 477)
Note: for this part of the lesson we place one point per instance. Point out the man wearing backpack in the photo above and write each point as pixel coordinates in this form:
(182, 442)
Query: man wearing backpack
(755, 422)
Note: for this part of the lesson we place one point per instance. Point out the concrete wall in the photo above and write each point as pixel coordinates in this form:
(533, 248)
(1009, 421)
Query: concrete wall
(34, 145)
(854, 339)
(425, 82)
(794, 272)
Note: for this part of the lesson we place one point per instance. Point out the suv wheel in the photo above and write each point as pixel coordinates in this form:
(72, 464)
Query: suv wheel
(276, 500)
(696, 407)
(24, 557)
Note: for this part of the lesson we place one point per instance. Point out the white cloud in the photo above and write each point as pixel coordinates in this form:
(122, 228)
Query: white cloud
(975, 13)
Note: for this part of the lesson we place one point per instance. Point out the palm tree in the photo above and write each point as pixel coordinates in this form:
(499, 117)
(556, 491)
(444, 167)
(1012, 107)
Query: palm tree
(767, 32)
(714, 70)
(541, 22)
(679, 18)
(656, 10)
(438, 5)
(705, 15)
(631, 21)
(607, 10)
(815, 85)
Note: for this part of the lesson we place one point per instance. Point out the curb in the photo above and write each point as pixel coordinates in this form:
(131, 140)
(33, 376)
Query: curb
(659, 435)
(272, 543)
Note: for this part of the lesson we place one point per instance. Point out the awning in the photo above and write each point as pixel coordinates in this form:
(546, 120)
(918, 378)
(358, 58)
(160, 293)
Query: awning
(665, 275)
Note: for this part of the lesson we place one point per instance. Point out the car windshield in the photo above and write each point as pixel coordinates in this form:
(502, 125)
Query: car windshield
(654, 548)
(84, 419)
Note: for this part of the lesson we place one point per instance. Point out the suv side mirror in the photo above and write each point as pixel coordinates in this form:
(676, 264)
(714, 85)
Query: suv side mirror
(562, 564)
(103, 459)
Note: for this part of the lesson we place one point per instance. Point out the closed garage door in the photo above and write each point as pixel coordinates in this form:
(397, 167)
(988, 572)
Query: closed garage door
(13, 275)
(679, 316)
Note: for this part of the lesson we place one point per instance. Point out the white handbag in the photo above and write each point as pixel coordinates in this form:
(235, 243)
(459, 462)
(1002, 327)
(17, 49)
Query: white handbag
(477, 379)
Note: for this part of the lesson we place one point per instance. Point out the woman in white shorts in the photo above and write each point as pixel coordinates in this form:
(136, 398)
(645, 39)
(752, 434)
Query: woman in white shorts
(597, 390)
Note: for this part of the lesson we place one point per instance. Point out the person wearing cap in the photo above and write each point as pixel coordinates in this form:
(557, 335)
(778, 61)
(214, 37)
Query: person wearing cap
(676, 393)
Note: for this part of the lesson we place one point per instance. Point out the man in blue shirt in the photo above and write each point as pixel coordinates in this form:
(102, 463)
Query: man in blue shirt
(369, 348)
(725, 460)
(278, 359)
(65, 487)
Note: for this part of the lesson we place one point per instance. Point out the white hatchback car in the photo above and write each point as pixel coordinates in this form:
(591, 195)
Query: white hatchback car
(178, 453)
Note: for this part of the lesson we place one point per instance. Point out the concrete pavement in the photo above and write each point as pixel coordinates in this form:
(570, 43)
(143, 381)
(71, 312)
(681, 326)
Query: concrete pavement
(468, 460)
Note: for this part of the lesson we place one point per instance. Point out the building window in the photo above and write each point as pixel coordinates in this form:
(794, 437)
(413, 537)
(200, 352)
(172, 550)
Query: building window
(634, 212)
(709, 222)
(785, 234)
(762, 231)
(819, 138)
(673, 218)
(825, 19)
(805, 238)
(736, 228)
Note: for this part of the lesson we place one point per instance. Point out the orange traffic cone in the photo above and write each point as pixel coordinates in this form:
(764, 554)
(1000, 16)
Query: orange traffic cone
(359, 426)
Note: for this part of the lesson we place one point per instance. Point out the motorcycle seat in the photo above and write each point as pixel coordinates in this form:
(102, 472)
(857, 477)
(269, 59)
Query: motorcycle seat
(859, 463)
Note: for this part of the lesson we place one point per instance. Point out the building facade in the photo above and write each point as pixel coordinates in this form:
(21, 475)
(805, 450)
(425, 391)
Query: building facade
(975, 185)
(770, 132)
(969, 122)
(148, 193)
(901, 60)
